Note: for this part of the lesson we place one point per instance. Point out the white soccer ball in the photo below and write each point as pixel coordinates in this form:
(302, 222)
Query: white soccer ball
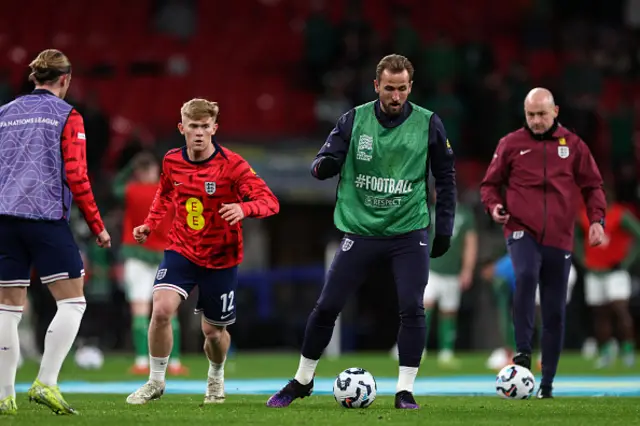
(515, 382)
(89, 358)
(355, 388)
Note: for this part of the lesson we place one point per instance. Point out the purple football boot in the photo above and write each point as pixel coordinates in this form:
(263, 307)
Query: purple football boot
(405, 400)
(287, 394)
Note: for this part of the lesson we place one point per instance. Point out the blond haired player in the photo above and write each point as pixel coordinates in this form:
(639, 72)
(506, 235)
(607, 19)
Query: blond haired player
(212, 189)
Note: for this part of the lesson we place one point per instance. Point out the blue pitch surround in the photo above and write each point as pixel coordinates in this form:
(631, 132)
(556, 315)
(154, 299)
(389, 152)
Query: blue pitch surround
(458, 386)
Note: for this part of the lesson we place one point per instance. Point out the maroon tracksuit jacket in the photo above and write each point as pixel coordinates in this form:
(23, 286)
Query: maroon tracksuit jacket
(541, 178)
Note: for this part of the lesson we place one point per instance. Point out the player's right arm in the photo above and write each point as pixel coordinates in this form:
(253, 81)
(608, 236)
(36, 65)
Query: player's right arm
(493, 181)
(331, 156)
(161, 201)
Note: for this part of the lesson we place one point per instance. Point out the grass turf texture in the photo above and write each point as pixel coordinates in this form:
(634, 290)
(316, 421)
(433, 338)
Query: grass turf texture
(322, 410)
(176, 409)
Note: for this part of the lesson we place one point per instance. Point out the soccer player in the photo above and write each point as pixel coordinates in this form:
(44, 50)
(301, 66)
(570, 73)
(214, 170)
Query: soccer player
(542, 165)
(136, 186)
(382, 151)
(212, 190)
(449, 276)
(42, 168)
(607, 283)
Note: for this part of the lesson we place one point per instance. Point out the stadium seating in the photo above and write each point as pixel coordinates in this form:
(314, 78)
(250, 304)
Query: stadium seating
(244, 54)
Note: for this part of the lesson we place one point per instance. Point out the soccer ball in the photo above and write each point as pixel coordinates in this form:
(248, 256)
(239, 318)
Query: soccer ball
(89, 358)
(515, 382)
(355, 388)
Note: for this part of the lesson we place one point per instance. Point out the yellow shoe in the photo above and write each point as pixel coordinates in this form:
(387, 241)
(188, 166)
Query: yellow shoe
(49, 396)
(8, 406)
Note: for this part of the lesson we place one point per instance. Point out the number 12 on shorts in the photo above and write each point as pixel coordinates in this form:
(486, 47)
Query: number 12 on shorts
(227, 302)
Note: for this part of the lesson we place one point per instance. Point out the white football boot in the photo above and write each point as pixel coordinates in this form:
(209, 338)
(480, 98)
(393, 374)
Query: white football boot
(148, 392)
(215, 391)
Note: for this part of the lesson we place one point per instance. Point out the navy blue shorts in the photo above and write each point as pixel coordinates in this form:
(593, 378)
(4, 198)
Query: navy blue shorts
(216, 287)
(46, 245)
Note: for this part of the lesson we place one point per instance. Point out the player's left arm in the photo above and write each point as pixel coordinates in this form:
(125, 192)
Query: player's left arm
(588, 178)
(260, 200)
(74, 156)
(442, 165)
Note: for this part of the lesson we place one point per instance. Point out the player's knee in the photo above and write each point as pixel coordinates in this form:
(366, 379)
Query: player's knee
(527, 278)
(325, 315)
(162, 313)
(412, 316)
(553, 320)
(165, 305)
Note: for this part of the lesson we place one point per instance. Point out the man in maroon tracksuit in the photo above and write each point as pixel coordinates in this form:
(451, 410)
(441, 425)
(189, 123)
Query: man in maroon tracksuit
(541, 166)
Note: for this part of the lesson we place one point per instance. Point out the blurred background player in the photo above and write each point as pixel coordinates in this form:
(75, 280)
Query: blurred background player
(43, 167)
(449, 276)
(135, 186)
(503, 279)
(212, 189)
(607, 281)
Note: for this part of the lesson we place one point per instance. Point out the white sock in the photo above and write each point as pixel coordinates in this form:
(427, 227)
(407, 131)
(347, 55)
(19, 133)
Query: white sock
(216, 371)
(158, 368)
(9, 348)
(60, 336)
(406, 379)
(306, 370)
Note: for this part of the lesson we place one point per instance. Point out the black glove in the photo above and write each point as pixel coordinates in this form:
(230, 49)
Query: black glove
(440, 246)
(328, 167)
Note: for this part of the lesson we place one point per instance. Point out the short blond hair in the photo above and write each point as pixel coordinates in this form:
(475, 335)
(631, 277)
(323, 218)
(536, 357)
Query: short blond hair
(198, 109)
(394, 64)
(48, 66)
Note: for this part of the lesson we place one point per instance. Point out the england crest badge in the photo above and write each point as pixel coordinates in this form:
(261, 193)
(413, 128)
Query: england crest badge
(161, 274)
(347, 244)
(210, 188)
(563, 151)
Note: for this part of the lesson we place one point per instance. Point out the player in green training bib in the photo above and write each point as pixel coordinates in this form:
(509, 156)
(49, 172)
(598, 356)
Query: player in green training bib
(449, 276)
(384, 151)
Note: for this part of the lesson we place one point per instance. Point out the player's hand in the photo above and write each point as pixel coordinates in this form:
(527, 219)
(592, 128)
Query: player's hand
(466, 278)
(499, 214)
(140, 233)
(232, 213)
(440, 245)
(596, 234)
(103, 239)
